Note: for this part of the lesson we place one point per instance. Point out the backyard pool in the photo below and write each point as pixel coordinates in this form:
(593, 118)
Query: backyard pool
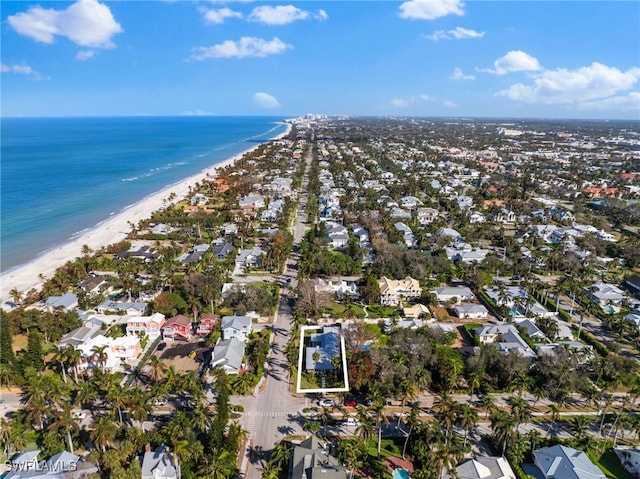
(400, 474)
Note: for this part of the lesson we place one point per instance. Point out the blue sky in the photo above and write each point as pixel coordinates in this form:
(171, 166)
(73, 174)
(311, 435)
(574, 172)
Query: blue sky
(542, 59)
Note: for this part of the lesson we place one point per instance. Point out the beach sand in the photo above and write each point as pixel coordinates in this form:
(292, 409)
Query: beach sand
(27, 276)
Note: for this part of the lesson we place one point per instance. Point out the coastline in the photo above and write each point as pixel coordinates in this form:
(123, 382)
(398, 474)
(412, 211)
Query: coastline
(25, 277)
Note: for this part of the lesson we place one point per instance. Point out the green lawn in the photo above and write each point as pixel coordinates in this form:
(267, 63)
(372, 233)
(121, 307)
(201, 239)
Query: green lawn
(610, 465)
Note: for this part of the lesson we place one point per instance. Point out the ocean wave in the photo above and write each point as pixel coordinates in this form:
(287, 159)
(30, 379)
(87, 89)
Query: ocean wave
(133, 178)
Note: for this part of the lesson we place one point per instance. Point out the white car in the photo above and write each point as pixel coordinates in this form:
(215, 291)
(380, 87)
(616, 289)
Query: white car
(161, 402)
(326, 403)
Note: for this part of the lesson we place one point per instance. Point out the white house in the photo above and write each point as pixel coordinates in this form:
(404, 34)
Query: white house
(470, 311)
(239, 327)
(506, 338)
(446, 294)
(393, 291)
(228, 354)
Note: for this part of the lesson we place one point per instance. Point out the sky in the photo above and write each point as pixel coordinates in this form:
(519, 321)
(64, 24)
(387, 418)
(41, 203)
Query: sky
(452, 58)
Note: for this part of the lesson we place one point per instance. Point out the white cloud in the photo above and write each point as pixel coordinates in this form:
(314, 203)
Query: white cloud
(457, 33)
(87, 23)
(84, 55)
(245, 47)
(458, 75)
(20, 70)
(283, 14)
(430, 9)
(219, 15)
(449, 104)
(594, 85)
(264, 100)
(629, 102)
(405, 102)
(514, 61)
(460, 33)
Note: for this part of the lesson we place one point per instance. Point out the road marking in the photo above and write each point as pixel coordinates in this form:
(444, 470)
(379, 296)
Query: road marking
(267, 413)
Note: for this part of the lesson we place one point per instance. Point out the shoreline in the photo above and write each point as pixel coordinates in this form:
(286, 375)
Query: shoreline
(113, 229)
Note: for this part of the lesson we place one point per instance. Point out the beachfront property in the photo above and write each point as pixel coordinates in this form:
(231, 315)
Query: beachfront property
(67, 301)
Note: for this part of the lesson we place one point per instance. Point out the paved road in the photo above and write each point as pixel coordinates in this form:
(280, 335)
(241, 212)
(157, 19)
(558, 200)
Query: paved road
(272, 413)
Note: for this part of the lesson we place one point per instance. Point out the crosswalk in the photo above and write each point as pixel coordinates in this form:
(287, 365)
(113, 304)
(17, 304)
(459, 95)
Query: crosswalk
(252, 416)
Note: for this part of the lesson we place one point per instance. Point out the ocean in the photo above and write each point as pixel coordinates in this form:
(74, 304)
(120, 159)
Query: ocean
(61, 176)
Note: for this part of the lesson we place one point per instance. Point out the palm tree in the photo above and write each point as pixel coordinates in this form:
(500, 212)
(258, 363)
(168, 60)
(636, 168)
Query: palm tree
(66, 422)
(280, 453)
(15, 294)
(117, 396)
(103, 432)
(100, 353)
(407, 393)
(139, 405)
(157, 368)
(37, 411)
(554, 416)
(521, 410)
(504, 429)
(467, 419)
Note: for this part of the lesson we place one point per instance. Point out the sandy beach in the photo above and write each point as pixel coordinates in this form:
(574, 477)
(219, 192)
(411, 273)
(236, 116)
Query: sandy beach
(26, 277)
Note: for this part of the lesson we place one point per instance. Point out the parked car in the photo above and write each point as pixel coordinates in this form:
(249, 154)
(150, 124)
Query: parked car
(160, 402)
(326, 403)
(351, 421)
(350, 403)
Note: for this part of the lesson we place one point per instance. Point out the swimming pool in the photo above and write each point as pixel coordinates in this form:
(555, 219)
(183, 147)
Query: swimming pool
(400, 474)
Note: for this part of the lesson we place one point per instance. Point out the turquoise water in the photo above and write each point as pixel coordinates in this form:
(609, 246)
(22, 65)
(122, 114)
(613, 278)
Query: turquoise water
(62, 176)
(400, 474)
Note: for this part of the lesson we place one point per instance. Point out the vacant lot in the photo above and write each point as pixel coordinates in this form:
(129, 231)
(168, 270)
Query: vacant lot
(185, 356)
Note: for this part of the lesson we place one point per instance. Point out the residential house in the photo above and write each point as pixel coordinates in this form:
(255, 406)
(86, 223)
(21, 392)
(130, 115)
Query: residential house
(125, 348)
(162, 229)
(311, 459)
(506, 338)
(94, 284)
(177, 327)
(531, 329)
(426, 216)
(456, 294)
(477, 217)
(148, 325)
(67, 301)
(159, 464)
(410, 202)
(394, 291)
(337, 235)
(250, 204)
(608, 296)
(470, 311)
(484, 467)
(400, 214)
(408, 237)
(464, 202)
(207, 323)
(222, 251)
(629, 458)
(238, 327)
(323, 348)
(562, 462)
(416, 311)
(143, 252)
(632, 283)
(228, 354)
(130, 308)
(250, 258)
(462, 252)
